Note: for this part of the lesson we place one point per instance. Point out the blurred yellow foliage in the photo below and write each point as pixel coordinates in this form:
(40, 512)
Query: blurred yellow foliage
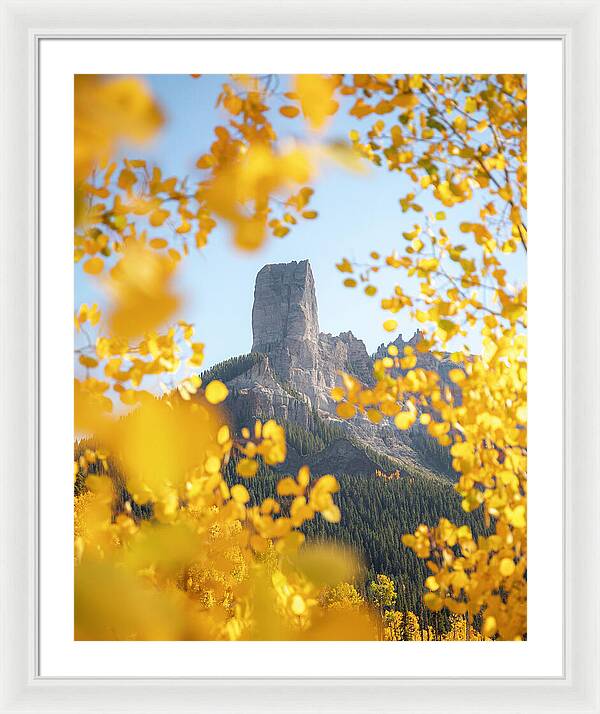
(140, 286)
(239, 190)
(315, 94)
(108, 111)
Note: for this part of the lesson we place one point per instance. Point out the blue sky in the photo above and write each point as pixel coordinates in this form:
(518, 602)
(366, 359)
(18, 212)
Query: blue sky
(357, 213)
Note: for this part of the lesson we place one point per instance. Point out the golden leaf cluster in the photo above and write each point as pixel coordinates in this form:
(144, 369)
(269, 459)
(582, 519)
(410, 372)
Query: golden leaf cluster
(462, 139)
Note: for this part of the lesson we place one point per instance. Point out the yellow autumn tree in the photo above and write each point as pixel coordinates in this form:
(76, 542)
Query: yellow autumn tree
(208, 564)
(461, 139)
(241, 572)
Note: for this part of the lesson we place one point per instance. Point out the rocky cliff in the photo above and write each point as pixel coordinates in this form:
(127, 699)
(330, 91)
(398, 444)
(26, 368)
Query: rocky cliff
(285, 326)
(292, 369)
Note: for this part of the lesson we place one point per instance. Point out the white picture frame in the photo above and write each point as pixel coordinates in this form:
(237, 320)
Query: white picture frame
(23, 24)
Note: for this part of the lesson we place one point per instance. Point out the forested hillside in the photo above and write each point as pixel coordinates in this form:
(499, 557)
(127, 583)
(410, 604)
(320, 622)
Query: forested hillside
(376, 510)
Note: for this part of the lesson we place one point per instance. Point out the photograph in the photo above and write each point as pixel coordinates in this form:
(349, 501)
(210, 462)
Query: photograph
(300, 357)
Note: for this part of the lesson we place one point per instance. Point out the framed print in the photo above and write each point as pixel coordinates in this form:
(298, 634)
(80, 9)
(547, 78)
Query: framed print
(323, 367)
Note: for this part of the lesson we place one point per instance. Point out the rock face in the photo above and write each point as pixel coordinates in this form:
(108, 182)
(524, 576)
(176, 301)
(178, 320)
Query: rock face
(285, 306)
(261, 392)
(285, 326)
(296, 366)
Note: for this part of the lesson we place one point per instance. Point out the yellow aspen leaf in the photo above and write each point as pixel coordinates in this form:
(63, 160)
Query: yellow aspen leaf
(233, 104)
(507, 567)
(516, 517)
(247, 468)
(93, 266)
(82, 315)
(240, 493)
(460, 124)
(158, 217)
(216, 392)
(470, 105)
(212, 465)
(433, 602)
(396, 133)
(158, 243)
(289, 111)
(489, 626)
(389, 408)
(374, 416)
(407, 101)
(332, 514)
(327, 483)
(127, 179)
(288, 487)
(415, 81)
(303, 476)
(337, 394)
(297, 605)
(315, 93)
(206, 161)
(428, 264)
(350, 283)
(280, 231)
(390, 325)
(457, 376)
(223, 435)
(129, 397)
(345, 410)
(432, 584)
(408, 362)
(86, 361)
(404, 420)
(438, 429)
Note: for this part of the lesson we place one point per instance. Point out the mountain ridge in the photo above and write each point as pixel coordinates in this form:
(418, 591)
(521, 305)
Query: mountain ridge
(292, 367)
